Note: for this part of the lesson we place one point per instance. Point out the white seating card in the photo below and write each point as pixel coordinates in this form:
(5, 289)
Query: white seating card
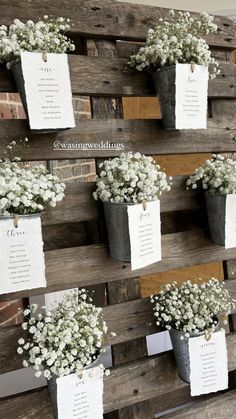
(81, 398)
(230, 221)
(191, 96)
(144, 234)
(48, 90)
(208, 364)
(22, 263)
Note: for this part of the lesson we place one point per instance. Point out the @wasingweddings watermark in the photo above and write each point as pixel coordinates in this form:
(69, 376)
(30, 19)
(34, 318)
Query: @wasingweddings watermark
(103, 145)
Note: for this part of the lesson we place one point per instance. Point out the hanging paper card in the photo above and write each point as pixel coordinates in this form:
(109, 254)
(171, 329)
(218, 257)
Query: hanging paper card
(208, 364)
(144, 234)
(81, 398)
(230, 221)
(21, 255)
(191, 96)
(48, 90)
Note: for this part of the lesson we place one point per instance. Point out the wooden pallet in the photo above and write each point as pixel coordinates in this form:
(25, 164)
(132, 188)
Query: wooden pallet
(106, 33)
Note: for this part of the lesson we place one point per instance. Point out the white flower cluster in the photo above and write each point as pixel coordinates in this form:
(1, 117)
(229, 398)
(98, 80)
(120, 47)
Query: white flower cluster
(63, 340)
(192, 307)
(27, 191)
(45, 35)
(217, 176)
(130, 178)
(178, 40)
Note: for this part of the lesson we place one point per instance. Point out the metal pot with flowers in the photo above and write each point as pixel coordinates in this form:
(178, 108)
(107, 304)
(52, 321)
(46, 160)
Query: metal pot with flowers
(217, 179)
(178, 40)
(63, 341)
(25, 191)
(191, 309)
(44, 36)
(131, 178)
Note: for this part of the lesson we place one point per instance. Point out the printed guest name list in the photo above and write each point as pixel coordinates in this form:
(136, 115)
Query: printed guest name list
(145, 234)
(21, 255)
(48, 91)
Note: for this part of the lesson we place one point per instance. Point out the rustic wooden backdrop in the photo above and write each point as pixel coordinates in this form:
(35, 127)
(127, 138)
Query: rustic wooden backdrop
(106, 33)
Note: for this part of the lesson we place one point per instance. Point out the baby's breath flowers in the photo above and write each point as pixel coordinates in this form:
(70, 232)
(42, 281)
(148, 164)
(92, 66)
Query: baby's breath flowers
(131, 178)
(216, 176)
(178, 40)
(25, 190)
(192, 307)
(63, 340)
(45, 35)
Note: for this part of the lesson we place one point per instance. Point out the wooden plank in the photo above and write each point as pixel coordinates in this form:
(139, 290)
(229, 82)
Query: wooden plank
(91, 139)
(141, 108)
(64, 235)
(77, 206)
(130, 320)
(31, 405)
(9, 358)
(89, 265)
(159, 370)
(105, 19)
(102, 76)
(177, 164)
(223, 110)
(220, 407)
(151, 284)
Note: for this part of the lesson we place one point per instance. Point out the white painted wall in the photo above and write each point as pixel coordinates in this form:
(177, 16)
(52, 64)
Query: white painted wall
(226, 8)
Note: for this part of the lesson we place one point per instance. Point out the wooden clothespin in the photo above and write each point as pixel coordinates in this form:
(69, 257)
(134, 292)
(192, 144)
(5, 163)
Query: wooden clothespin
(16, 220)
(192, 67)
(45, 56)
(144, 205)
(208, 334)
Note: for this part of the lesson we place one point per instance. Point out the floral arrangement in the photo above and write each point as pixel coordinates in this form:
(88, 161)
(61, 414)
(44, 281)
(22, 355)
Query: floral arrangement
(45, 35)
(63, 340)
(216, 176)
(192, 307)
(131, 178)
(178, 40)
(27, 190)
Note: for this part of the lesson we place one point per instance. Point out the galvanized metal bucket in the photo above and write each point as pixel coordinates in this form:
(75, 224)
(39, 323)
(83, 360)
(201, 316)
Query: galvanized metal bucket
(16, 70)
(164, 80)
(181, 351)
(116, 216)
(52, 386)
(216, 205)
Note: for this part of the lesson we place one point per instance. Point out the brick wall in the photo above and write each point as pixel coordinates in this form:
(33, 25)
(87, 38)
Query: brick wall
(69, 171)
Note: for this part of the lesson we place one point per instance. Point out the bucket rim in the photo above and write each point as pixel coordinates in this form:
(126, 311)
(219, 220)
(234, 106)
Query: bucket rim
(11, 217)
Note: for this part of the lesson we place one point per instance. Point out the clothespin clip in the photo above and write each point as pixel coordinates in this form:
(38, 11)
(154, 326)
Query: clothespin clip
(45, 56)
(16, 220)
(192, 67)
(144, 205)
(208, 334)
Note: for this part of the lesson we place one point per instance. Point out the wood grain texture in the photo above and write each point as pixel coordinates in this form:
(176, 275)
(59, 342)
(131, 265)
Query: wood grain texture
(9, 358)
(106, 19)
(150, 284)
(150, 377)
(221, 406)
(89, 265)
(31, 405)
(145, 136)
(78, 205)
(130, 320)
(141, 108)
(178, 164)
(102, 76)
